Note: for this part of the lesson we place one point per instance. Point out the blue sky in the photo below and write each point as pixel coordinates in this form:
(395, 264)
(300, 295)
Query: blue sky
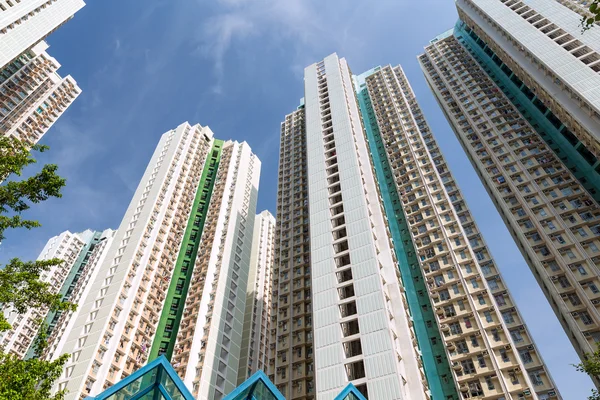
(236, 66)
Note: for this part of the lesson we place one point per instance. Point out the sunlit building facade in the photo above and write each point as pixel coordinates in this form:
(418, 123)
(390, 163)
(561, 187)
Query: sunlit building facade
(335, 270)
(25, 23)
(33, 95)
(65, 247)
(157, 291)
(75, 288)
(487, 345)
(526, 116)
(256, 354)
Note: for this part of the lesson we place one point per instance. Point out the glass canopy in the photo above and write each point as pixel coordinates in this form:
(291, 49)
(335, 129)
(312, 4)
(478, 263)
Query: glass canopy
(159, 381)
(257, 387)
(156, 381)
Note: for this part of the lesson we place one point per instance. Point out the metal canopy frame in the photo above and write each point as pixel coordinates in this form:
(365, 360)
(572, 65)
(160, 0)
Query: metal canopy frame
(348, 390)
(162, 366)
(257, 378)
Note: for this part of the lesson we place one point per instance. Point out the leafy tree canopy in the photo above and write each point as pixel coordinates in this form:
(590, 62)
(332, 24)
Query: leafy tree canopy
(21, 287)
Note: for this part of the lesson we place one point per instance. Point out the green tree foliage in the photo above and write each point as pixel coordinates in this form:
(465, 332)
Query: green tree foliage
(20, 284)
(591, 366)
(594, 11)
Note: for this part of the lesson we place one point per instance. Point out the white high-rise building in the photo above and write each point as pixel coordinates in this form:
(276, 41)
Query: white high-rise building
(360, 322)
(33, 95)
(257, 321)
(188, 227)
(208, 345)
(24, 23)
(66, 247)
(520, 86)
(78, 290)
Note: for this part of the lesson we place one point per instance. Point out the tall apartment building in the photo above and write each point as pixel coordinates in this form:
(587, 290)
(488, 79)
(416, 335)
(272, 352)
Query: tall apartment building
(75, 288)
(582, 7)
(67, 247)
(291, 299)
(25, 23)
(447, 269)
(335, 269)
(549, 71)
(157, 291)
(33, 95)
(516, 82)
(256, 351)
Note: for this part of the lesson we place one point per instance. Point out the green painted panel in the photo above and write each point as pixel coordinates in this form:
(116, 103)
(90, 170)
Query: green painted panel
(168, 325)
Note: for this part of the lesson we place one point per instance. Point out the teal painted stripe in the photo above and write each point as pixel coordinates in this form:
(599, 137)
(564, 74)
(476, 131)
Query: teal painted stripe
(435, 362)
(67, 288)
(563, 143)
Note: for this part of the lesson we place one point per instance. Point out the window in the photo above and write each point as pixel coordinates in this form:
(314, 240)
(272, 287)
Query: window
(481, 360)
(564, 281)
(455, 328)
(553, 266)
(536, 379)
(504, 355)
(585, 318)
(474, 341)
(574, 299)
(488, 316)
(468, 366)
(570, 254)
(525, 356)
(500, 300)
(516, 336)
(461, 347)
(455, 289)
(508, 317)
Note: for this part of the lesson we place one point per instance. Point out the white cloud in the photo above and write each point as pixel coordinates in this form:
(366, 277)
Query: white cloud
(295, 24)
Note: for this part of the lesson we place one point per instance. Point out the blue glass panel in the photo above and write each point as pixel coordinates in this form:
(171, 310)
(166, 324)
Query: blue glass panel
(136, 386)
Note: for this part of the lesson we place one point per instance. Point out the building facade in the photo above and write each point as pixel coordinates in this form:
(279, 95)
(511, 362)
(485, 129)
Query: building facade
(255, 352)
(25, 23)
(66, 247)
(335, 268)
(446, 267)
(74, 290)
(156, 291)
(33, 95)
(549, 71)
(291, 366)
(534, 152)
